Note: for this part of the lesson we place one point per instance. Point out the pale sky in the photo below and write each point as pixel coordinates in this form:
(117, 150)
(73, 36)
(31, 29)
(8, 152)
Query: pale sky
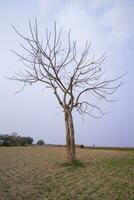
(35, 112)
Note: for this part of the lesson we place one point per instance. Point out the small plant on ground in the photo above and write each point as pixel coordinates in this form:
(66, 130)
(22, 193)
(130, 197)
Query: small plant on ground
(74, 164)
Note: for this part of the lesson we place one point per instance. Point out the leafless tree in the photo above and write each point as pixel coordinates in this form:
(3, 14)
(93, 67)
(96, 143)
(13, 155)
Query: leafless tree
(76, 79)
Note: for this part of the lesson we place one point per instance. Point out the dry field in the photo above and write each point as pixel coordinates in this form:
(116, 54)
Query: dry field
(39, 173)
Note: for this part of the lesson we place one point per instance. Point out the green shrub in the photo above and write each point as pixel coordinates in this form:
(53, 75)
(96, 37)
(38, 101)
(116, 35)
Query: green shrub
(40, 142)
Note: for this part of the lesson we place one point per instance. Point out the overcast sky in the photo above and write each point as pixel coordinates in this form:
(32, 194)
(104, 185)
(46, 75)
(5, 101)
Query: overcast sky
(108, 24)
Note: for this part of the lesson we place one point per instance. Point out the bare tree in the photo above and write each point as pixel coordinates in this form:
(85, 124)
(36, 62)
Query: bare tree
(77, 80)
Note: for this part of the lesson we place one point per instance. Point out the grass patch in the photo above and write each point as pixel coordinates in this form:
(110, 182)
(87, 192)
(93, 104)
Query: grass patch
(36, 173)
(75, 164)
(119, 162)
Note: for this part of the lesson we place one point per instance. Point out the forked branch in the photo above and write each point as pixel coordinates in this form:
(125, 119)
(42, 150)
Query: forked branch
(70, 74)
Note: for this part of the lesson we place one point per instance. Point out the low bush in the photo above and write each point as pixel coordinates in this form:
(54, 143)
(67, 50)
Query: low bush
(40, 142)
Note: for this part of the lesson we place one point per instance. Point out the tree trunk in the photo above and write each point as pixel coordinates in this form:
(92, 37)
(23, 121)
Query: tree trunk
(70, 141)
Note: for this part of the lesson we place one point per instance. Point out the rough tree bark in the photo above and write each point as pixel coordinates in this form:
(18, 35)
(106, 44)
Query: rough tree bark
(68, 73)
(70, 141)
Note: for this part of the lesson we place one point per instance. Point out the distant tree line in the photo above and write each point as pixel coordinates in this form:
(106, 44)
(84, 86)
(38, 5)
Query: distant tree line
(15, 140)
